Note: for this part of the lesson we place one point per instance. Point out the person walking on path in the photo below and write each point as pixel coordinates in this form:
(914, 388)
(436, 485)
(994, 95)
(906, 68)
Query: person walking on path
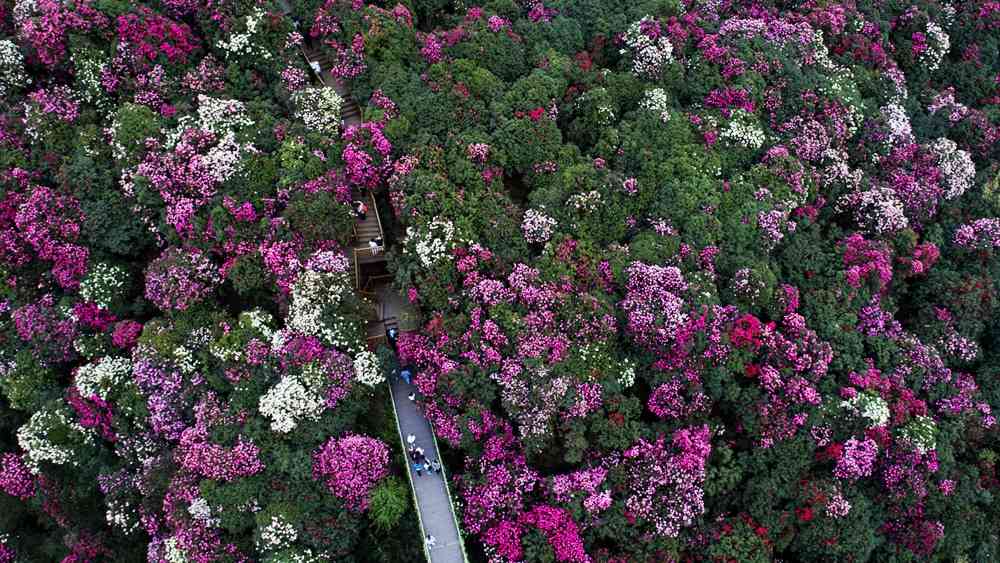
(406, 375)
(419, 468)
(436, 466)
(431, 541)
(361, 210)
(412, 396)
(411, 438)
(413, 453)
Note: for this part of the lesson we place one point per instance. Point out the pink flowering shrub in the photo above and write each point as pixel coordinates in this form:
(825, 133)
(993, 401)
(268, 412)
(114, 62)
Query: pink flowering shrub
(350, 467)
(180, 278)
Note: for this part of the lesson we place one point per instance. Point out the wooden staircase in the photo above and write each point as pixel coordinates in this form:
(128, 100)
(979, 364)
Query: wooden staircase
(350, 112)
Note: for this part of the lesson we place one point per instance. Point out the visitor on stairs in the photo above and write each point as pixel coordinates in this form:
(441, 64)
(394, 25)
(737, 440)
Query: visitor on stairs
(361, 210)
(375, 244)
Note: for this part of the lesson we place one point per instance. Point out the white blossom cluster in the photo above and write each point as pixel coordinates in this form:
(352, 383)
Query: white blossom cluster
(87, 68)
(898, 122)
(586, 202)
(920, 433)
(627, 376)
(956, 165)
(216, 116)
(877, 210)
(319, 109)
(316, 296)
(743, 130)
(103, 377)
(657, 101)
(937, 47)
(226, 158)
(12, 75)
(121, 516)
(172, 552)
(537, 226)
(870, 406)
(288, 403)
(648, 56)
(244, 43)
(258, 320)
(841, 85)
(201, 511)
(33, 438)
(278, 534)
(433, 243)
(103, 284)
(367, 369)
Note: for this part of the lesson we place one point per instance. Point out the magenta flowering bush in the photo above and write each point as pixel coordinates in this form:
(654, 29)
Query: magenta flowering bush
(351, 466)
(180, 278)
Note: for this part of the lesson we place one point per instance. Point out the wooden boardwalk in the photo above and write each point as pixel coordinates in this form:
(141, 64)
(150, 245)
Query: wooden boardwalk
(435, 509)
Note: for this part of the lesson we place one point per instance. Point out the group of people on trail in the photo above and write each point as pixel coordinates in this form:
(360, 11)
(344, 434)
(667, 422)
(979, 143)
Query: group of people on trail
(419, 460)
(361, 212)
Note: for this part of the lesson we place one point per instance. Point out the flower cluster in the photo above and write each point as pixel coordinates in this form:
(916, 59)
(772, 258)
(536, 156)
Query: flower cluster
(537, 226)
(650, 51)
(180, 278)
(319, 109)
(350, 467)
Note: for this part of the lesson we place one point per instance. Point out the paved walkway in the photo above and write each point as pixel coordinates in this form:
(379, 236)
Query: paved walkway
(437, 513)
(433, 501)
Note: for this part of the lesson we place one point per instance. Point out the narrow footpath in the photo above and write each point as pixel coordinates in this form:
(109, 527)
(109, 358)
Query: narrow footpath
(435, 509)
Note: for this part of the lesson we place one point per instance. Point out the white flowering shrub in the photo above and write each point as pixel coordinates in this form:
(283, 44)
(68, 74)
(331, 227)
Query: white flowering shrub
(920, 433)
(316, 309)
(870, 406)
(121, 515)
(12, 75)
(368, 369)
(743, 130)
(104, 284)
(319, 109)
(103, 377)
(937, 48)
(432, 243)
(278, 534)
(649, 56)
(50, 436)
(200, 510)
(88, 64)
(898, 122)
(657, 101)
(956, 166)
(626, 378)
(537, 226)
(218, 116)
(288, 403)
(878, 210)
(586, 202)
(245, 43)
